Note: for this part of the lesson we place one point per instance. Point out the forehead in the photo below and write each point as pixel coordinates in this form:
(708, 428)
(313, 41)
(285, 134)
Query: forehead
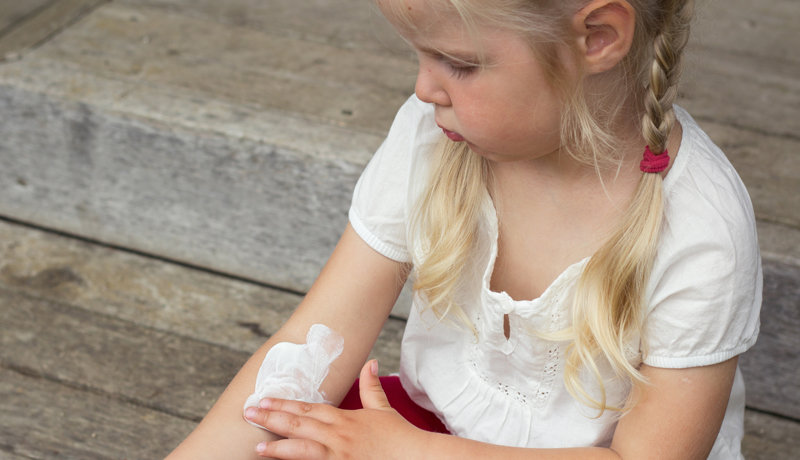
(413, 13)
(409, 16)
(430, 24)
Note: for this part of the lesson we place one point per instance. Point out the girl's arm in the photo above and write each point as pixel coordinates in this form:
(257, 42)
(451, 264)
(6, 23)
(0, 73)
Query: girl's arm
(677, 417)
(353, 296)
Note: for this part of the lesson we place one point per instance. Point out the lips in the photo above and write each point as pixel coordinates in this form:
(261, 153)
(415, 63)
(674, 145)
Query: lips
(452, 135)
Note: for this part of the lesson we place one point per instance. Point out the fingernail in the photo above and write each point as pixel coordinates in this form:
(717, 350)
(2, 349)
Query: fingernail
(251, 412)
(374, 367)
(261, 447)
(265, 403)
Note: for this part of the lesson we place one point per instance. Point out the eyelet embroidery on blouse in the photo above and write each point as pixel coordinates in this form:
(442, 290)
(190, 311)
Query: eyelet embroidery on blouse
(541, 390)
(548, 376)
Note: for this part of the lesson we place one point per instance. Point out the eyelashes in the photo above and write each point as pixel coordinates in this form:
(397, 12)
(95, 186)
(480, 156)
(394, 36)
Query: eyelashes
(458, 70)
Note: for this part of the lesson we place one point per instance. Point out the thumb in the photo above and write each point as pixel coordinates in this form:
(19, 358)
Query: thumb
(370, 389)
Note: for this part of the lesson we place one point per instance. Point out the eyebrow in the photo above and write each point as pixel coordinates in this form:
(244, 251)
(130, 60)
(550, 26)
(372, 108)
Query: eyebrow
(464, 56)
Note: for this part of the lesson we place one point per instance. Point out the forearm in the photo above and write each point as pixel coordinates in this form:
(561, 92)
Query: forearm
(223, 433)
(442, 446)
(353, 297)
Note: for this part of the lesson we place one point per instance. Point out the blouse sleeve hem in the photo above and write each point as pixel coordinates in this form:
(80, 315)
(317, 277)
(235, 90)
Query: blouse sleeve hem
(682, 362)
(383, 248)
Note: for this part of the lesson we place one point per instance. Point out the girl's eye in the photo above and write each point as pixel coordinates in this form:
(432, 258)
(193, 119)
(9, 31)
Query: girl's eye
(459, 70)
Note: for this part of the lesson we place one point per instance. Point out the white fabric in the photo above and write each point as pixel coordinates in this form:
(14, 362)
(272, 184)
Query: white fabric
(296, 371)
(704, 298)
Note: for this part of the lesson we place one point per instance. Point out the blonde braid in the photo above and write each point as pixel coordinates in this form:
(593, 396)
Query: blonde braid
(665, 71)
(609, 306)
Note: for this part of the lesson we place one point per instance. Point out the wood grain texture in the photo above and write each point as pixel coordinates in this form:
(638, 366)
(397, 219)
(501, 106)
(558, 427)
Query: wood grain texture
(242, 110)
(12, 12)
(154, 294)
(770, 438)
(772, 366)
(83, 319)
(36, 28)
(221, 114)
(44, 419)
(175, 48)
(768, 166)
(158, 370)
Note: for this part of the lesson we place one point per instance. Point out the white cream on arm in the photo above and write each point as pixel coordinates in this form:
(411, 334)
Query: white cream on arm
(296, 371)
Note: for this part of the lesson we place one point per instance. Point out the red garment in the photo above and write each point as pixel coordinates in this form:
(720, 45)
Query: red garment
(399, 400)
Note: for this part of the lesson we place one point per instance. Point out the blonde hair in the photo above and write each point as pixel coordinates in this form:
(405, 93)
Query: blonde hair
(608, 306)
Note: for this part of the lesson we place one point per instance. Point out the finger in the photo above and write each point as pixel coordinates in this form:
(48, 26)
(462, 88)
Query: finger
(288, 425)
(322, 412)
(291, 449)
(370, 389)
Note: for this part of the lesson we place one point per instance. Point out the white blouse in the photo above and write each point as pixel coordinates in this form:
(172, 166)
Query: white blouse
(703, 302)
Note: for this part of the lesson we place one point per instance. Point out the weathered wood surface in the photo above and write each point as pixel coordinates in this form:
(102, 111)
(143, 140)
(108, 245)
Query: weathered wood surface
(146, 340)
(742, 66)
(33, 29)
(15, 11)
(770, 438)
(237, 111)
(91, 323)
(151, 293)
(197, 115)
(223, 116)
(772, 366)
(159, 370)
(45, 419)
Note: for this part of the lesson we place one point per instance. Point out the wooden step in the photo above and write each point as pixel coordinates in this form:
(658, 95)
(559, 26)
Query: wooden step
(229, 135)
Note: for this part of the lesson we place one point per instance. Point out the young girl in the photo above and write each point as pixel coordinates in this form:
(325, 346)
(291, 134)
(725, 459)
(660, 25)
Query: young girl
(585, 260)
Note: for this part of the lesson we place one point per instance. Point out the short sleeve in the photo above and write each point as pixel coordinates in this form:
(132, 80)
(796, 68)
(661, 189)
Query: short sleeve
(706, 284)
(385, 191)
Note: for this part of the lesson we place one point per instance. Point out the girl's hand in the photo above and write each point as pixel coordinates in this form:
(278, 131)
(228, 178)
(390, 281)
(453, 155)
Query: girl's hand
(320, 431)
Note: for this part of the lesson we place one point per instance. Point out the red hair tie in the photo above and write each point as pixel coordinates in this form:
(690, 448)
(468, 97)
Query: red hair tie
(652, 163)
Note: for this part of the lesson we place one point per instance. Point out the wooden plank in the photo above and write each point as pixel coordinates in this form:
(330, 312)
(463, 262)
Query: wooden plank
(181, 300)
(40, 27)
(154, 369)
(142, 290)
(176, 66)
(748, 92)
(155, 294)
(150, 368)
(766, 28)
(346, 24)
(42, 419)
(94, 431)
(239, 65)
(770, 168)
(13, 11)
(69, 355)
(770, 438)
(744, 48)
(772, 366)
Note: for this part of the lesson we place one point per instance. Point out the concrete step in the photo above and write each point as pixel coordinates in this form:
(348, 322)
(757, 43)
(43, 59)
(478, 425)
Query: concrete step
(228, 135)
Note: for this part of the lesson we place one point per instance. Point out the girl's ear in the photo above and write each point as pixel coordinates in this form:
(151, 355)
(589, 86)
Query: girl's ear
(604, 30)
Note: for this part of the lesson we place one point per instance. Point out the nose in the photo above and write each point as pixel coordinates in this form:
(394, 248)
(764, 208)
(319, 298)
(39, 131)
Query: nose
(428, 87)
